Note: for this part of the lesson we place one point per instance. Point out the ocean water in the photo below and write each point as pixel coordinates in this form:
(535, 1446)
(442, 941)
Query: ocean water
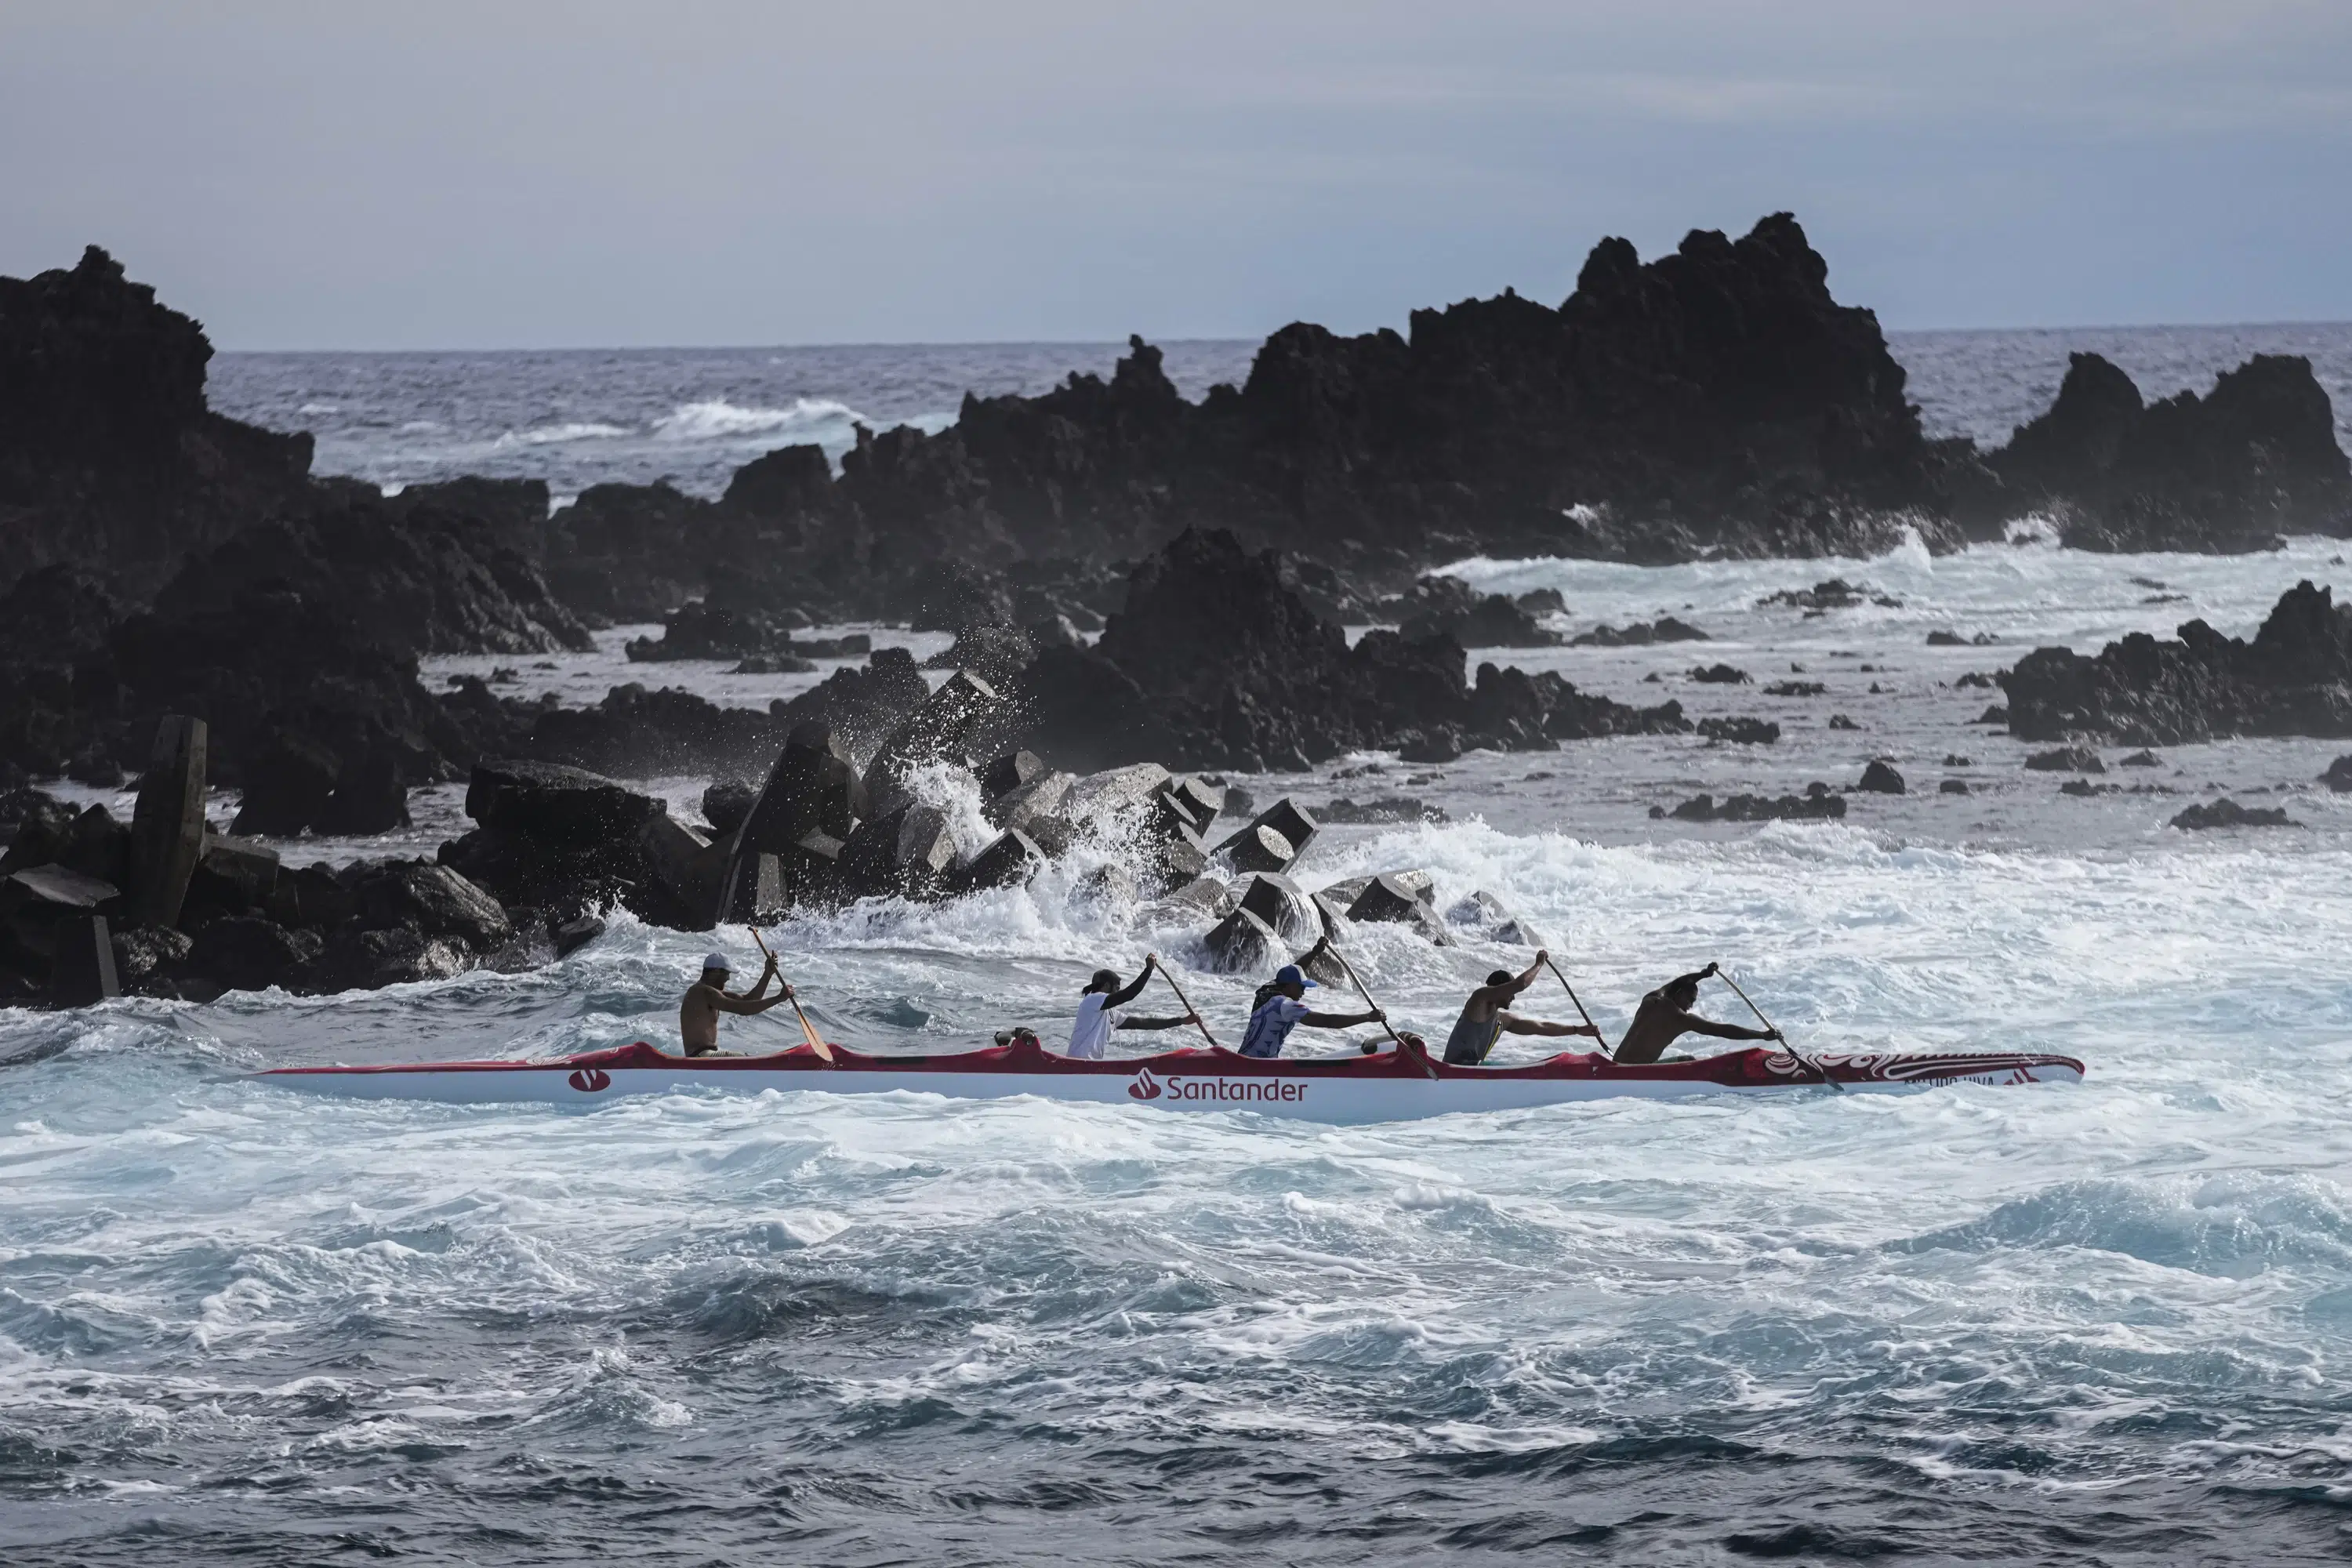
(2107, 1324)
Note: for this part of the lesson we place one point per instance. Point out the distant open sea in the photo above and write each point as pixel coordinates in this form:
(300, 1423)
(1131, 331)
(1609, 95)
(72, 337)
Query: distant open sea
(693, 415)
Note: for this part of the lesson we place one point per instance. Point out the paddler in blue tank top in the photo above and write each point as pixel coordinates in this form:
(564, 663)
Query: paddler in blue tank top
(1485, 1019)
(1282, 1008)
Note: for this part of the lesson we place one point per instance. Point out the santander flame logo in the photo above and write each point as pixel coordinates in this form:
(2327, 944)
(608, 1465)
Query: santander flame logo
(588, 1080)
(1145, 1086)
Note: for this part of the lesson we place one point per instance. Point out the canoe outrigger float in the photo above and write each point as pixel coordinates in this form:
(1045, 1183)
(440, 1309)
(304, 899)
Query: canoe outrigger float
(1393, 1085)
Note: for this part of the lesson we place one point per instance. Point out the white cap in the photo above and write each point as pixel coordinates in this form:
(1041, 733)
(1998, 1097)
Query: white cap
(717, 961)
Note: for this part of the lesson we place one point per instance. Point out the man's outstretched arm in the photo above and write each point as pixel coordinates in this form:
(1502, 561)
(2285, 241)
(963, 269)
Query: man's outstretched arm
(1698, 1026)
(1159, 1023)
(1134, 988)
(1513, 1025)
(1344, 1020)
(751, 1003)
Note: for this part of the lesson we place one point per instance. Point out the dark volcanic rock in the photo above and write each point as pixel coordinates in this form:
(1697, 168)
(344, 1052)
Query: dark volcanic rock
(2295, 678)
(109, 458)
(1742, 731)
(2228, 812)
(1880, 778)
(1817, 801)
(1720, 675)
(2067, 760)
(1833, 593)
(1717, 399)
(2339, 776)
(2253, 458)
(1215, 663)
(252, 952)
(566, 805)
(1640, 634)
(1448, 606)
(415, 581)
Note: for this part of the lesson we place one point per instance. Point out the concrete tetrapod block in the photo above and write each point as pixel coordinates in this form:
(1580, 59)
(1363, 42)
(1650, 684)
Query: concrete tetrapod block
(167, 825)
(1173, 857)
(1492, 919)
(1290, 820)
(1202, 895)
(1241, 943)
(1332, 914)
(1321, 964)
(1009, 861)
(1258, 850)
(1390, 898)
(904, 854)
(810, 786)
(1009, 773)
(1043, 795)
(946, 726)
(1196, 802)
(1103, 800)
(1276, 899)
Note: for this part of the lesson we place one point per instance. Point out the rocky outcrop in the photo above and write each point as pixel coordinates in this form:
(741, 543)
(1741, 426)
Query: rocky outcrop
(1215, 662)
(110, 460)
(1817, 803)
(2254, 458)
(2228, 812)
(2293, 677)
(90, 907)
(1450, 607)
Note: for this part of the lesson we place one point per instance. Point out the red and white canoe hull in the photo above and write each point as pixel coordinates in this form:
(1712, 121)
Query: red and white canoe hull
(1392, 1086)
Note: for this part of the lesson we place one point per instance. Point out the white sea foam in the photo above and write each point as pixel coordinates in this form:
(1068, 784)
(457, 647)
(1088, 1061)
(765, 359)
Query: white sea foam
(717, 419)
(559, 434)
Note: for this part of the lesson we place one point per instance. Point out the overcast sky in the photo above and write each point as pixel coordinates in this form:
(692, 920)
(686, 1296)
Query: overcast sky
(423, 175)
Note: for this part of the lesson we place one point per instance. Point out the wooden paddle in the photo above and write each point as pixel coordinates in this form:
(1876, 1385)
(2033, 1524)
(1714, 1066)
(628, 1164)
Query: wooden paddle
(1572, 996)
(1200, 1023)
(1367, 996)
(816, 1042)
(1818, 1070)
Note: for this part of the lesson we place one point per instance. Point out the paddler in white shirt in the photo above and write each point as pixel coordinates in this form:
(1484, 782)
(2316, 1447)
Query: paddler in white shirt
(1099, 1015)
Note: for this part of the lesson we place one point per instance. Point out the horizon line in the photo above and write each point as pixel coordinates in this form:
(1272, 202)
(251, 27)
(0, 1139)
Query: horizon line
(1890, 333)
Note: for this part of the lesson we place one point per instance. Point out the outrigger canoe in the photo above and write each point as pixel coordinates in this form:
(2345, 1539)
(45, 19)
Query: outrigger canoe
(1390, 1086)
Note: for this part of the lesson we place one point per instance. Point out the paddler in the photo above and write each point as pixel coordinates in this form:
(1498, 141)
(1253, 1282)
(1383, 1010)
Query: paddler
(1486, 1019)
(697, 1014)
(1282, 1008)
(1665, 1016)
(1099, 1015)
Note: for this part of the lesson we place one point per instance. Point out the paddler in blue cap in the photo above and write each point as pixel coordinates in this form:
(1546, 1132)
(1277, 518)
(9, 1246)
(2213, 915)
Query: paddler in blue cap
(1282, 1008)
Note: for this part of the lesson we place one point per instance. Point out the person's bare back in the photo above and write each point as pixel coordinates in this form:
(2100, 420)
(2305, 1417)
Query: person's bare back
(1665, 1016)
(707, 998)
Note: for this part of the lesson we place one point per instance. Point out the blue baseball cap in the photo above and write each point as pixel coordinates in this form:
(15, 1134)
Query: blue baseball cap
(1289, 974)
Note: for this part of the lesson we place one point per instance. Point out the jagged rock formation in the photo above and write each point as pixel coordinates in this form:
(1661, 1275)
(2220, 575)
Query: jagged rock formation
(1718, 399)
(109, 461)
(2251, 460)
(2295, 678)
(1215, 662)
(91, 906)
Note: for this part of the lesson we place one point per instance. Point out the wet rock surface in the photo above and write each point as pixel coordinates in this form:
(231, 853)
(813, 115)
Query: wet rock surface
(1817, 803)
(2228, 812)
(2293, 677)
(2231, 470)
